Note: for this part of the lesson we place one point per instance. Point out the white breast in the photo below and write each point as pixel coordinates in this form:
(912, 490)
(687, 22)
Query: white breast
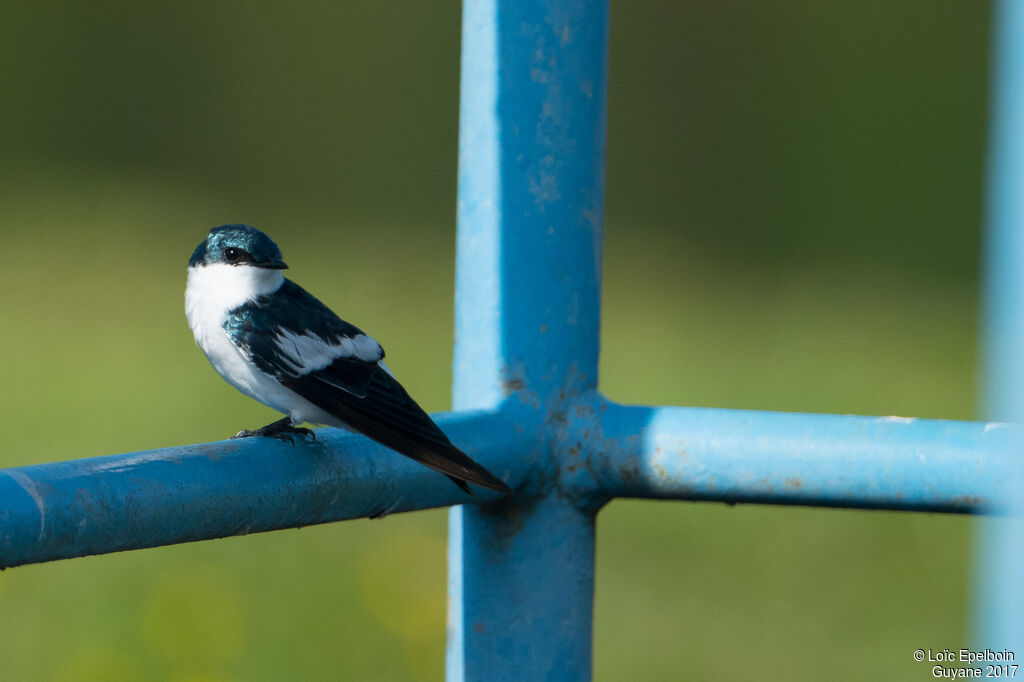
(214, 290)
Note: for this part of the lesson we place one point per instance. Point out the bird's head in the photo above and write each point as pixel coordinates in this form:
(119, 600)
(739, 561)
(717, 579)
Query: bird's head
(237, 245)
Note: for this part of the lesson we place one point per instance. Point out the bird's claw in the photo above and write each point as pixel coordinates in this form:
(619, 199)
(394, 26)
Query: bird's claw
(300, 431)
(278, 431)
(290, 434)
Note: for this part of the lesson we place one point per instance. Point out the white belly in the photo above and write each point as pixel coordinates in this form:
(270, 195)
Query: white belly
(232, 364)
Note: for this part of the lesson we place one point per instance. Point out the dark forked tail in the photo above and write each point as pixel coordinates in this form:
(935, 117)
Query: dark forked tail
(455, 464)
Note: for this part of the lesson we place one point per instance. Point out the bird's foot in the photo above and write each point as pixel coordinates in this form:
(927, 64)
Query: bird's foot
(282, 429)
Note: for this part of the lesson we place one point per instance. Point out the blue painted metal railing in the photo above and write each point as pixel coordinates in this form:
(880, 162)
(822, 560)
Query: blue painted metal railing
(999, 587)
(525, 392)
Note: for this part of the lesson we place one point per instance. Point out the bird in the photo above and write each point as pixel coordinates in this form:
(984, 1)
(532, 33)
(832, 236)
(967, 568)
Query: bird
(278, 344)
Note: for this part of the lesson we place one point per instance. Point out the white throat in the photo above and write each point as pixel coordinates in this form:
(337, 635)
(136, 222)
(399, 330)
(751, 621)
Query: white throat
(214, 289)
(223, 286)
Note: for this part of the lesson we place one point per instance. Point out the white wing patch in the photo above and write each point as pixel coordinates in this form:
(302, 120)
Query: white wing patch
(305, 353)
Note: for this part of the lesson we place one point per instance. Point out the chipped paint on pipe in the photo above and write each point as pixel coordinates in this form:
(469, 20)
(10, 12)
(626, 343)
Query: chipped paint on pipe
(197, 492)
(791, 458)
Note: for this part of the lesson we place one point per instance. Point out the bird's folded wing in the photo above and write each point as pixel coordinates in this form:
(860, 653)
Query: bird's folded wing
(300, 342)
(385, 412)
(289, 334)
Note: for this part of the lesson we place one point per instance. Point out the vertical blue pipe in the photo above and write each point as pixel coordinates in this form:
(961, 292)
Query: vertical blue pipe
(1001, 577)
(530, 217)
(531, 198)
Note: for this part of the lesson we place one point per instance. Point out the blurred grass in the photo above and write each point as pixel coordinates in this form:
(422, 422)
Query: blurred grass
(793, 212)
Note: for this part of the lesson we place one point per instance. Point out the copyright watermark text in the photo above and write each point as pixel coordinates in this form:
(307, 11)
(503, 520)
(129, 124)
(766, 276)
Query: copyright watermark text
(963, 664)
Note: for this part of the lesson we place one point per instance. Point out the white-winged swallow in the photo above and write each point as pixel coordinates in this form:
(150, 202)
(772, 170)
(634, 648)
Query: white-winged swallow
(276, 343)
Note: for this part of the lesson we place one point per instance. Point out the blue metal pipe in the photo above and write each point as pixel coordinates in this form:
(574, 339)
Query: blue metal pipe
(530, 219)
(523, 609)
(531, 200)
(1004, 239)
(998, 584)
(788, 458)
(198, 492)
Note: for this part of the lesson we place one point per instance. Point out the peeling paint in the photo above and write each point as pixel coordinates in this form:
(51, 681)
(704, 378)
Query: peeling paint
(898, 420)
(630, 471)
(555, 417)
(661, 472)
(512, 385)
(971, 501)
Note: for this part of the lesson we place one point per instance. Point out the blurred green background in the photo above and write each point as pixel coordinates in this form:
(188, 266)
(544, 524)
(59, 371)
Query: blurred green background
(793, 214)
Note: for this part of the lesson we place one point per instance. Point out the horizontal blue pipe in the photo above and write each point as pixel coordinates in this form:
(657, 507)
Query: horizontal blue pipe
(213, 490)
(788, 458)
(198, 492)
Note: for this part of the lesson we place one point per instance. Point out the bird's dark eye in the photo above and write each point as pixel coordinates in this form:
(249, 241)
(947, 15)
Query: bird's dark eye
(232, 255)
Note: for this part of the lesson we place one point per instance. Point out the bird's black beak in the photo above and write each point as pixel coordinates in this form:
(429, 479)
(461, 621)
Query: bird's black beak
(276, 264)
